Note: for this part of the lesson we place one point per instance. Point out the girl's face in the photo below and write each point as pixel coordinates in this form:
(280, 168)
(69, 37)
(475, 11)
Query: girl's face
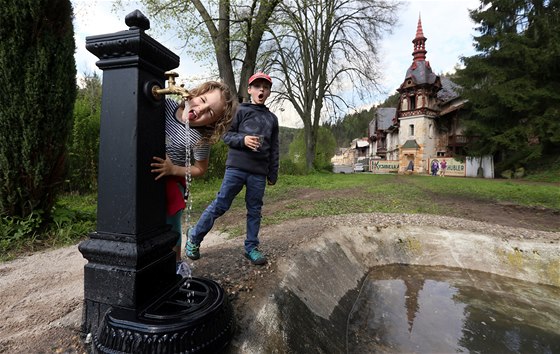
(205, 109)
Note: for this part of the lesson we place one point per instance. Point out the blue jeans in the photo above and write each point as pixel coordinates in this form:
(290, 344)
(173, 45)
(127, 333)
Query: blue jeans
(232, 184)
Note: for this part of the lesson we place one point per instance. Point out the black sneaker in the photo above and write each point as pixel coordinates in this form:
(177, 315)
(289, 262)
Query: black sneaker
(192, 250)
(256, 257)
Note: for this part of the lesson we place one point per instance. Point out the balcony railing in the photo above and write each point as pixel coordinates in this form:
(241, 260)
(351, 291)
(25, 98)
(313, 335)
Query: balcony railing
(457, 140)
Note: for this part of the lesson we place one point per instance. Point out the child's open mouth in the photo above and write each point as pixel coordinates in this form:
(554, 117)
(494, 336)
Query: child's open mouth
(192, 115)
(261, 95)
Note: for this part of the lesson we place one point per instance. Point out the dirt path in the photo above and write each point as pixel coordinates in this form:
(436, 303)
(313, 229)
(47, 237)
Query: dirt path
(40, 301)
(41, 294)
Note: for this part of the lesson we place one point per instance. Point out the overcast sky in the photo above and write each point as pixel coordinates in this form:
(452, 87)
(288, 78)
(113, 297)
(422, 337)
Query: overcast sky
(445, 23)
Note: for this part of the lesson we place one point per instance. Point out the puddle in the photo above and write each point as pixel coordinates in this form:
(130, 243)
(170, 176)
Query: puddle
(421, 309)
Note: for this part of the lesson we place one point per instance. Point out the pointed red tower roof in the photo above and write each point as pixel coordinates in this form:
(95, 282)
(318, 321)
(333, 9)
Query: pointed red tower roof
(419, 41)
(420, 71)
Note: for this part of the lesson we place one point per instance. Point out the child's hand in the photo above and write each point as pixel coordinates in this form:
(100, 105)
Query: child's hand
(162, 167)
(252, 142)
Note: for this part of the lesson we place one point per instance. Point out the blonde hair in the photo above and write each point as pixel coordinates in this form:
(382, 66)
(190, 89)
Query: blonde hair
(212, 133)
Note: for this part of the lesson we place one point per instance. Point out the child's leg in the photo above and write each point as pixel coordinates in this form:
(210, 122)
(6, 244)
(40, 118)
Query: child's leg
(231, 186)
(254, 194)
(175, 222)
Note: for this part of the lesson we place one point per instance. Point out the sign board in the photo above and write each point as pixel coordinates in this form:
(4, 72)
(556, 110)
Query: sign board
(384, 166)
(454, 167)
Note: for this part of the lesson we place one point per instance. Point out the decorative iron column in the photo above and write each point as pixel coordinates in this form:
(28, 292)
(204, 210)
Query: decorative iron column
(132, 296)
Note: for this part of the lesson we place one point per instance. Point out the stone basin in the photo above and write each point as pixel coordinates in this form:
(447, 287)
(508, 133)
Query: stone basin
(307, 309)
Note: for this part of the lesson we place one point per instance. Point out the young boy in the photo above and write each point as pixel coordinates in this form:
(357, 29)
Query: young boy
(252, 161)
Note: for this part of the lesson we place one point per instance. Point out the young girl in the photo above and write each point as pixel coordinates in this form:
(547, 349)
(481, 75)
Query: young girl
(209, 112)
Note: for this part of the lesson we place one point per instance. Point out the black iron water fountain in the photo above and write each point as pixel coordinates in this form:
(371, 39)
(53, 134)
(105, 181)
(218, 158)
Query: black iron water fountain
(133, 300)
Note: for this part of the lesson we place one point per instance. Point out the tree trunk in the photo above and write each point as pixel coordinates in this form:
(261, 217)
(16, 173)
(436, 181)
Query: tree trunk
(310, 151)
(255, 33)
(222, 47)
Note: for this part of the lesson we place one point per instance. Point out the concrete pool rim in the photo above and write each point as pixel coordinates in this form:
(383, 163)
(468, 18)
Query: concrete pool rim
(317, 286)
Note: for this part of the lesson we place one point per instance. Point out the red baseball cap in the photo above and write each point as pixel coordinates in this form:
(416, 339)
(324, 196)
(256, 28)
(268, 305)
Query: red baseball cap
(260, 75)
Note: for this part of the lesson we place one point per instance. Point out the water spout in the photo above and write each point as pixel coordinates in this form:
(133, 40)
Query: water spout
(171, 89)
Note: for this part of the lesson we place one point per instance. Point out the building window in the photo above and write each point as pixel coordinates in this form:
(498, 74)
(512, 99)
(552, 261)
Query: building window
(412, 102)
(411, 130)
(431, 131)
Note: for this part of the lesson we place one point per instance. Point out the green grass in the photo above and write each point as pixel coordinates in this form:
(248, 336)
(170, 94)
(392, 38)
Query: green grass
(382, 193)
(332, 194)
(397, 194)
(511, 191)
(400, 194)
(412, 189)
(546, 169)
(73, 217)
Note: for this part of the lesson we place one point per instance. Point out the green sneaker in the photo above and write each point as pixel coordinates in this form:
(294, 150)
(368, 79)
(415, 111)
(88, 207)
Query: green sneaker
(256, 257)
(192, 250)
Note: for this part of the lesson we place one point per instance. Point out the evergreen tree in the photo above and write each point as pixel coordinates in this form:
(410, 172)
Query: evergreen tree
(351, 126)
(513, 85)
(37, 93)
(391, 101)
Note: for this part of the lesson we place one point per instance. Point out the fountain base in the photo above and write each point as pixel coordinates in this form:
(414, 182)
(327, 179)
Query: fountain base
(195, 316)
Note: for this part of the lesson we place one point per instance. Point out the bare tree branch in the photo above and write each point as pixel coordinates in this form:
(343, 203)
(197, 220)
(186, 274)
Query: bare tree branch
(232, 32)
(320, 49)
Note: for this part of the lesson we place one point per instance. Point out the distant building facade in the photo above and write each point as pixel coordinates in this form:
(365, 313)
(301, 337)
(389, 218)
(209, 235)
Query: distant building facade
(426, 123)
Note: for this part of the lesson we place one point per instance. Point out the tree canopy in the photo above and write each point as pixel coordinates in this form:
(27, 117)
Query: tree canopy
(513, 84)
(231, 32)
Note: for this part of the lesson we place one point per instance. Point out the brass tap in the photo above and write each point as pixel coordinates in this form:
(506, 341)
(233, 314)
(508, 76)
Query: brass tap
(171, 89)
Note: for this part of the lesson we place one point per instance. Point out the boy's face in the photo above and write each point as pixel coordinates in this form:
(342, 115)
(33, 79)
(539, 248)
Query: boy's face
(259, 90)
(206, 109)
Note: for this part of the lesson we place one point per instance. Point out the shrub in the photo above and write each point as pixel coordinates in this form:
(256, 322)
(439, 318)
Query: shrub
(84, 145)
(37, 96)
(217, 163)
(288, 167)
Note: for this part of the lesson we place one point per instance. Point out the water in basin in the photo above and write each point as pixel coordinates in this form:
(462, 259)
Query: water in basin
(419, 309)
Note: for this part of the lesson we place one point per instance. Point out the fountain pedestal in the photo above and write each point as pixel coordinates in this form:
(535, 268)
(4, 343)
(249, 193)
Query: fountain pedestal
(131, 290)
